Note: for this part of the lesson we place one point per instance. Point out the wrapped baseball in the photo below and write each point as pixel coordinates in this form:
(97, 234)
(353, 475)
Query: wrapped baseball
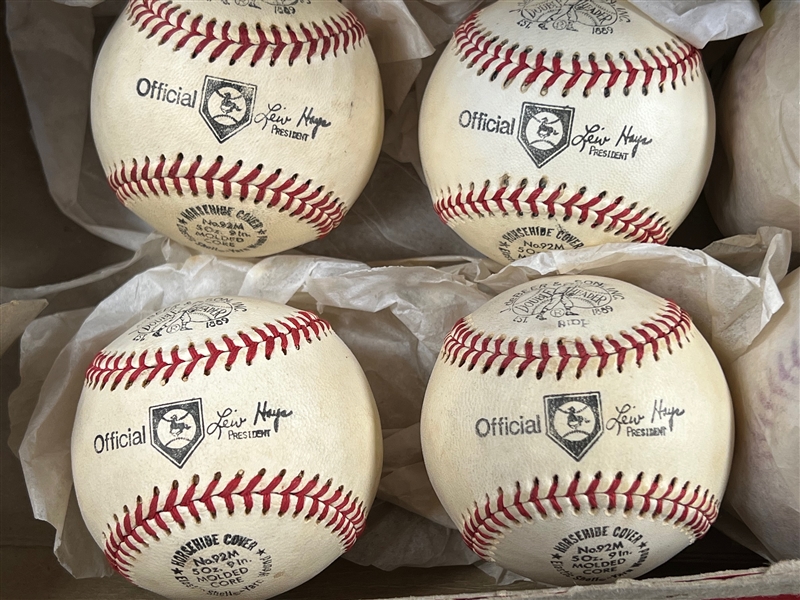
(557, 125)
(225, 447)
(238, 128)
(578, 430)
(755, 177)
(764, 490)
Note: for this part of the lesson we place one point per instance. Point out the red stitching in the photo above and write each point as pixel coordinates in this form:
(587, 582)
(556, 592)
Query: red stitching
(484, 525)
(168, 21)
(335, 509)
(322, 211)
(642, 225)
(468, 346)
(116, 368)
(478, 45)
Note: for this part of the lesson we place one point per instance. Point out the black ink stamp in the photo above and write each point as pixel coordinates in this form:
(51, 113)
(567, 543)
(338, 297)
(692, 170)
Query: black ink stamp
(227, 106)
(599, 553)
(559, 300)
(624, 417)
(208, 313)
(592, 136)
(508, 426)
(250, 3)
(226, 420)
(231, 562)
(574, 421)
(267, 413)
(218, 227)
(596, 16)
(528, 240)
(176, 429)
(481, 121)
(545, 131)
(279, 121)
(662, 411)
(281, 7)
(164, 92)
(273, 115)
(119, 440)
(627, 136)
(309, 119)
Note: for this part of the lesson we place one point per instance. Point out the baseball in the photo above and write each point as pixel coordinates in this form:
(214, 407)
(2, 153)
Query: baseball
(557, 125)
(238, 127)
(578, 430)
(225, 447)
(755, 177)
(764, 490)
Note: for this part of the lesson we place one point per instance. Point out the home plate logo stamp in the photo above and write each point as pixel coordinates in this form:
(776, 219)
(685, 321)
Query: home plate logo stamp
(574, 421)
(176, 429)
(545, 131)
(227, 106)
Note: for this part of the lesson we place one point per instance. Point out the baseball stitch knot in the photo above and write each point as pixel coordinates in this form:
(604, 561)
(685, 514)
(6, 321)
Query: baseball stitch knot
(116, 368)
(168, 21)
(693, 509)
(292, 194)
(469, 347)
(481, 47)
(309, 498)
(627, 220)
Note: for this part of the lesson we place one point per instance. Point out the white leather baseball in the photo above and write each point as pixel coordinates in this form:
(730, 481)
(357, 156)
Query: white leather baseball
(755, 177)
(764, 490)
(578, 429)
(239, 127)
(556, 125)
(225, 447)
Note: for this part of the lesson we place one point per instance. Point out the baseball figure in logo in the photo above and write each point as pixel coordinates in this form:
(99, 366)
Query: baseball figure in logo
(555, 124)
(236, 454)
(578, 429)
(239, 128)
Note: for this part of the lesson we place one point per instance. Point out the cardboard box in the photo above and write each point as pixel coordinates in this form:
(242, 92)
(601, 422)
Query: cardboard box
(40, 245)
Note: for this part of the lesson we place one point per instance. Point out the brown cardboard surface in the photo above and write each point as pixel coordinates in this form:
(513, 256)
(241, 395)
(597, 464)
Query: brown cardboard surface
(33, 574)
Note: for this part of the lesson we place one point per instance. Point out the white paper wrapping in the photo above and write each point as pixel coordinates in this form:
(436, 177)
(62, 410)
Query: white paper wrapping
(755, 175)
(394, 319)
(14, 318)
(764, 488)
(52, 46)
(701, 21)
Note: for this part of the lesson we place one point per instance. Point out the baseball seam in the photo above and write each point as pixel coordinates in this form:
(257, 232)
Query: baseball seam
(481, 47)
(168, 21)
(300, 198)
(298, 497)
(116, 368)
(693, 510)
(467, 346)
(642, 225)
